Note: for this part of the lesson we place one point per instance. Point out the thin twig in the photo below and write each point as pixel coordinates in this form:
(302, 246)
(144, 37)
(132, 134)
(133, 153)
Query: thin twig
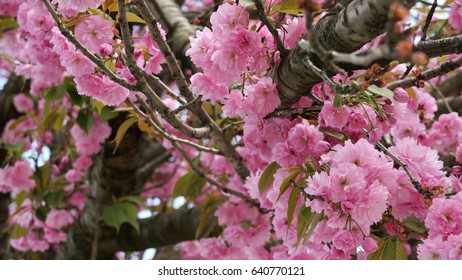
(167, 52)
(158, 82)
(305, 45)
(405, 167)
(262, 15)
(428, 20)
(186, 106)
(96, 59)
(442, 97)
(196, 108)
(296, 111)
(196, 169)
(408, 70)
(440, 70)
(151, 165)
(228, 126)
(160, 106)
(304, 193)
(388, 215)
(158, 127)
(424, 35)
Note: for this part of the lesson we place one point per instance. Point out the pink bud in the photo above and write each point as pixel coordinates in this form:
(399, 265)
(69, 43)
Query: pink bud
(401, 95)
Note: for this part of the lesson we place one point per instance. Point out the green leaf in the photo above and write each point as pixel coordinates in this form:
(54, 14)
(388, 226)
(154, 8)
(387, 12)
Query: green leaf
(109, 5)
(85, 119)
(95, 12)
(133, 199)
(306, 223)
(337, 101)
(286, 183)
(292, 203)
(339, 135)
(394, 249)
(316, 219)
(42, 176)
(246, 224)
(76, 98)
(381, 91)
(415, 224)
(305, 215)
(267, 177)
(189, 185)
(18, 231)
(203, 222)
(16, 149)
(51, 120)
(7, 23)
(18, 121)
(20, 197)
(59, 121)
(131, 17)
(122, 131)
(54, 198)
(247, 2)
(377, 255)
(120, 213)
(288, 7)
(42, 212)
(107, 113)
(208, 206)
(389, 248)
(54, 93)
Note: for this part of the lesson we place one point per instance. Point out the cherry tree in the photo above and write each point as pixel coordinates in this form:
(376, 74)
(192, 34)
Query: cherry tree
(277, 129)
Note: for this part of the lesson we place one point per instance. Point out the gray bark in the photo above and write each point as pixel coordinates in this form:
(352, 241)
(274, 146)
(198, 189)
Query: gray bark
(344, 31)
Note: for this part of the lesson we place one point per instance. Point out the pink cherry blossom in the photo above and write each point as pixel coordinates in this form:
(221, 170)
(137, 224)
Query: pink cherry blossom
(293, 30)
(82, 163)
(102, 89)
(57, 219)
(78, 200)
(455, 15)
(445, 217)
(202, 85)
(332, 116)
(88, 144)
(263, 96)
(229, 18)
(22, 103)
(444, 134)
(17, 177)
(74, 175)
(345, 241)
(54, 236)
(77, 5)
(93, 31)
(76, 63)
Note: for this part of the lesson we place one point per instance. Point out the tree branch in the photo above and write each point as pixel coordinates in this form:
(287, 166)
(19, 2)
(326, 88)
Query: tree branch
(162, 229)
(440, 70)
(264, 19)
(344, 31)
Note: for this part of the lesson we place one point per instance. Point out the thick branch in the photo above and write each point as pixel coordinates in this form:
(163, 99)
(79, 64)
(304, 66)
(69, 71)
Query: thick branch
(442, 69)
(345, 31)
(176, 24)
(160, 230)
(434, 48)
